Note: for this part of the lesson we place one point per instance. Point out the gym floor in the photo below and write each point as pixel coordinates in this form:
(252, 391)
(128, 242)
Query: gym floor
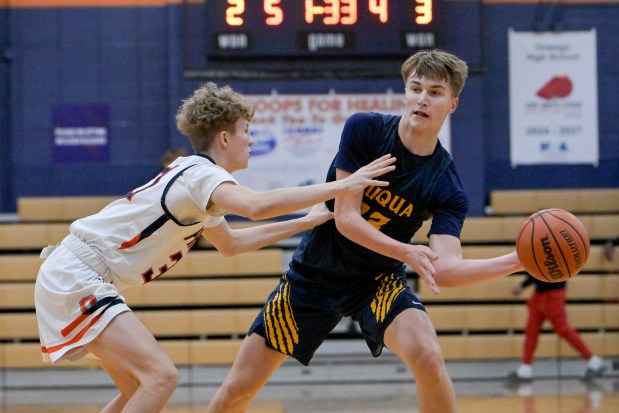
(336, 381)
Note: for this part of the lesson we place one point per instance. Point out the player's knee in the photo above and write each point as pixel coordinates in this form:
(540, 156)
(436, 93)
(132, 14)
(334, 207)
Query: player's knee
(428, 360)
(431, 361)
(163, 378)
(236, 392)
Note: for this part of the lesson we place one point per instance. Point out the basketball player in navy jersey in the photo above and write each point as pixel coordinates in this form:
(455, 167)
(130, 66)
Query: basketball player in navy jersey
(355, 265)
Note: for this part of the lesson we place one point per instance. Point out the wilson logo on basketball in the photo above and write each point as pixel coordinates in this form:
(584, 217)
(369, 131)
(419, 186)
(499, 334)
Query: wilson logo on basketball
(570, 242)
(550, 263)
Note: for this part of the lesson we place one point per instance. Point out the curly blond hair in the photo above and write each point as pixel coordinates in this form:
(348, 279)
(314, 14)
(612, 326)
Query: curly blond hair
(210, 110)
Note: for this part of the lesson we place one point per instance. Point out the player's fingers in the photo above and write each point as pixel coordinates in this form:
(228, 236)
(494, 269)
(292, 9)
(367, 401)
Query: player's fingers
(433, 256)
(379, 183)
(384, 170)
(379, 172)
(427, 274)
(383, 160)
(431, 282)
(381, 164)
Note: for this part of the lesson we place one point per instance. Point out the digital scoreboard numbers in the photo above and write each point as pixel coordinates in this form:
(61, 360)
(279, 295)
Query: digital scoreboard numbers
(340, 30)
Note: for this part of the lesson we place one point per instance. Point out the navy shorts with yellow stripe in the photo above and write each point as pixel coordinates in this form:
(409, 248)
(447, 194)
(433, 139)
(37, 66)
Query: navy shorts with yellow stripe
(301, 312)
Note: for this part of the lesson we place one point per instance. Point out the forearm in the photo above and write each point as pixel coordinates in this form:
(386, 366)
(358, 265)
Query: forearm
(419, 257)
(360, 231)
(454, 272)
(259, 236)
(283, 201)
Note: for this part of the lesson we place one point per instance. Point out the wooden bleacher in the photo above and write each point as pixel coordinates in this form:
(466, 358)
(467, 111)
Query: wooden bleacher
(577, 201)
(200, 310)
(60, 209)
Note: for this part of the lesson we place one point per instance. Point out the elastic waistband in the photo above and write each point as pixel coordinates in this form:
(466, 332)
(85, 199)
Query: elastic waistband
(87, 256)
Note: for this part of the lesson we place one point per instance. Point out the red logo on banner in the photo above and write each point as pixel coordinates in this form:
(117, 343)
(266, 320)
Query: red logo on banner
(557, 87)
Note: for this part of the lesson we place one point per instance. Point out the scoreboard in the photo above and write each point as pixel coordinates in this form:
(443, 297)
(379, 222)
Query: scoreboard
(300, 39)
(242, 29)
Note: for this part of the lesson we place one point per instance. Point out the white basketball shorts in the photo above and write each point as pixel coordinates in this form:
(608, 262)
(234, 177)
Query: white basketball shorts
(74, 299)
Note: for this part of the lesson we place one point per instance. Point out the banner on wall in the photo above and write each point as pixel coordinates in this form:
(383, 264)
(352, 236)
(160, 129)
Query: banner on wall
(553, 98)
(297, 136)
(80, 133)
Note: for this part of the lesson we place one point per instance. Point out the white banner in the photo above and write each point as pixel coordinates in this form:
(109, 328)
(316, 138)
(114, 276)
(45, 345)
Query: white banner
(297, 136)
(553, 98)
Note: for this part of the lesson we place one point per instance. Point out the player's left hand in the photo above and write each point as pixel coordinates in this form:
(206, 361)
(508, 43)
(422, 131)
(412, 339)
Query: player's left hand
(420, 258)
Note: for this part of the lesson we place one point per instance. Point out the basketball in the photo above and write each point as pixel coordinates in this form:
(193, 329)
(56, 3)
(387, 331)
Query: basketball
(553, 245)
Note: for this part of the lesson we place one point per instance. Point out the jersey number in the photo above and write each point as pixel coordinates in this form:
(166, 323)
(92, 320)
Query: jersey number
(375, 218)
(149, 274)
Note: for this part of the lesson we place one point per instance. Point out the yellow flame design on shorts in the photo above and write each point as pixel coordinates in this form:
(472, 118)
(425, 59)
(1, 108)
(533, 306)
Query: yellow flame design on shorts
(280, 326)
(390, 287)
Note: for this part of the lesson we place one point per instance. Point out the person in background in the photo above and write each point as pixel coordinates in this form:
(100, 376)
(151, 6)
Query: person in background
(548, 303)
(355, 265)
(609, 248)
(171, 154)
(138, 238)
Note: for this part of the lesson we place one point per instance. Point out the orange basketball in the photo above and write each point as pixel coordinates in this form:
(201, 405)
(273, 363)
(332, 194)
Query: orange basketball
(552, 245)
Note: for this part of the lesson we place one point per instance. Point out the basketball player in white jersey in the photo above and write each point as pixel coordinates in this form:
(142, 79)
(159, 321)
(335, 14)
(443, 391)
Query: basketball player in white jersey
(138, 238)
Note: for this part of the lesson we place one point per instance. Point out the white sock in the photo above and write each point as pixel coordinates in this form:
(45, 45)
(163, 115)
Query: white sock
(525, 371)
(595, 363)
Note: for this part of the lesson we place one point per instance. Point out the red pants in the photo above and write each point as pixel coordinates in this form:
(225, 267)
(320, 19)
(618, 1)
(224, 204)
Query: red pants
(550, 305)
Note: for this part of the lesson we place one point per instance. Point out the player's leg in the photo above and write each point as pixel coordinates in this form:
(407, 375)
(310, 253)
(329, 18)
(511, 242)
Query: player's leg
(125, 383)
(532, 328)
(294, 322)
(254, 365)
(127, 348)
(557, 315)
(413, 339)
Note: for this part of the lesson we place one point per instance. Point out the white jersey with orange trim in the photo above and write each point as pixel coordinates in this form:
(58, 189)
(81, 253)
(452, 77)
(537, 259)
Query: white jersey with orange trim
(141, 236)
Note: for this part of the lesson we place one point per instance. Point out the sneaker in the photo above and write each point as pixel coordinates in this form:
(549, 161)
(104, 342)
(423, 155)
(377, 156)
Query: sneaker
(593, 373)
(513, 376)
(595, 368)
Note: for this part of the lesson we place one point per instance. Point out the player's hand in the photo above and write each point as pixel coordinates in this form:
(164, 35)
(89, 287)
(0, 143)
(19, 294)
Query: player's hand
(319, 214)
(421, 259)
(363, 177)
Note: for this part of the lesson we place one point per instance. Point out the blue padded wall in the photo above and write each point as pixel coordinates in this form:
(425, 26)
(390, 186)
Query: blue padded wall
(131, 58)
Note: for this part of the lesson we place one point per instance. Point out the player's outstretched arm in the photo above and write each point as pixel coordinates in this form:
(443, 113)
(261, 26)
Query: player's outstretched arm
(451, 270)
(256, 205)
(229, 241)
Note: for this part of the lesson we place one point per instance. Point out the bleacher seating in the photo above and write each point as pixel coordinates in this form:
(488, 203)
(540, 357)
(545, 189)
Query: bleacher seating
(201, 308)
(577, 201)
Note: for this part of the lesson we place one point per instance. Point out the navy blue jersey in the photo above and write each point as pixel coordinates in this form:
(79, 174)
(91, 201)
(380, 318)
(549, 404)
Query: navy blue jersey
(419, 188)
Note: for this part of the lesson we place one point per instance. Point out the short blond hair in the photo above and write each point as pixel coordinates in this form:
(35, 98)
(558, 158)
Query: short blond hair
(437, 64)
(210, 110)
